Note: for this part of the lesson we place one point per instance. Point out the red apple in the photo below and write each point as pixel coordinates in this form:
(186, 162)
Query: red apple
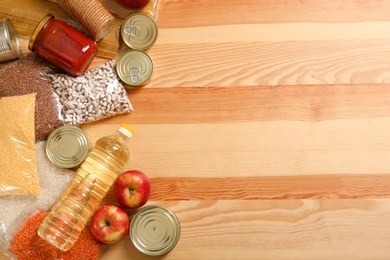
(132, 189)
(109, 224)
(134, 3)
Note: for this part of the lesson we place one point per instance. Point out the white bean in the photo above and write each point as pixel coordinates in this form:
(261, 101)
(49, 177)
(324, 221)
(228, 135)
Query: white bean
(95, 95)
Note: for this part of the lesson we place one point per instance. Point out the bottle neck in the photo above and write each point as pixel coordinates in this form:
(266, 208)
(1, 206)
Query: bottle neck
(122, 136)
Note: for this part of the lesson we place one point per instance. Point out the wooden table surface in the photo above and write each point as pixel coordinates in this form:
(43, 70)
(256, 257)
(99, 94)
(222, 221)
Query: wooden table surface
(266, 129)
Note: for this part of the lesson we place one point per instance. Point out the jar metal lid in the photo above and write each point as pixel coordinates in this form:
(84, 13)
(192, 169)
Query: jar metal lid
(37, 30)
(9, 42)
(154, 230)
(68, 146)
(139, 31)
(135, 68)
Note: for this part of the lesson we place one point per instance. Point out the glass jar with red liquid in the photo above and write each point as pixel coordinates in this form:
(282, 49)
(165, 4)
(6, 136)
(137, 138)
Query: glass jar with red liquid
(64, 46)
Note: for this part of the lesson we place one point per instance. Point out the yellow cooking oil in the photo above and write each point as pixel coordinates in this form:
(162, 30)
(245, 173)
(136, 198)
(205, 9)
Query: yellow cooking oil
(93, 179)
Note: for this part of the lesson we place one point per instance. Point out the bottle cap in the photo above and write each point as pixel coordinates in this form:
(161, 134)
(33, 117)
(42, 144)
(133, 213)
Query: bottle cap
(127, 130)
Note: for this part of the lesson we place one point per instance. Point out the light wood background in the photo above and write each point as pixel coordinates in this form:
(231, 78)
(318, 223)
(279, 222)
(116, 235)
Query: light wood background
(266, 129)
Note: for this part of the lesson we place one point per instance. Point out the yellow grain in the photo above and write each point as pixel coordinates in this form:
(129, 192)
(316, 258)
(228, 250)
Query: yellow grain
(18, 168)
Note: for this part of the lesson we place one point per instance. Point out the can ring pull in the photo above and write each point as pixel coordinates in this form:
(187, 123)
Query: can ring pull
(135, 74)
(133, 30)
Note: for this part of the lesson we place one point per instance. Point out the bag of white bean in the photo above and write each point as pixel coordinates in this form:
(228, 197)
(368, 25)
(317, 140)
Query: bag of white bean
(96, 95)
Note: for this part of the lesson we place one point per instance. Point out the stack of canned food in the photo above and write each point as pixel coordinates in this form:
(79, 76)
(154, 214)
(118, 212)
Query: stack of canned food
(139, 32)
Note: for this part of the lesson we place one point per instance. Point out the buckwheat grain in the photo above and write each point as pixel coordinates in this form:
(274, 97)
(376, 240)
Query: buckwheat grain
(30, 74)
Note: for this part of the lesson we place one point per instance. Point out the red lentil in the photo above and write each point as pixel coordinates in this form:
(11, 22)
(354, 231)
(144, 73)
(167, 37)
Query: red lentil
(26, 243)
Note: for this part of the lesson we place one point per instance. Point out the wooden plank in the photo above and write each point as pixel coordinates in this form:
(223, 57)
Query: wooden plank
(338, 186)
(276, 32)
(358, 146)
(260, 188)
(282, 131)
(274, 43)
(262, 103)
(282, 62)
(197, 13)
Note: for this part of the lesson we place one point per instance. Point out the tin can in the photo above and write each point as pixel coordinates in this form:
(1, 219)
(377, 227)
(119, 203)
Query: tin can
(135, 68)
(68, 146)
(139, 31)
(9, 42)
(154, 230)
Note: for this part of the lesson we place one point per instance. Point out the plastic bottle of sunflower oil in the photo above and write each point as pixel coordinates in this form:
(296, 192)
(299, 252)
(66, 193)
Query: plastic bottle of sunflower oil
(95, 176)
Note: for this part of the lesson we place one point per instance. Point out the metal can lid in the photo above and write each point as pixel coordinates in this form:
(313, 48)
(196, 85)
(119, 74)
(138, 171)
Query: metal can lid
(154, 230)
(135, 68)
(68, 146)
(139, 31)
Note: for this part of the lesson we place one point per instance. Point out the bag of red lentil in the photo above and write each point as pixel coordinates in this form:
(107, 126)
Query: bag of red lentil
(26, 244)
(8, 231)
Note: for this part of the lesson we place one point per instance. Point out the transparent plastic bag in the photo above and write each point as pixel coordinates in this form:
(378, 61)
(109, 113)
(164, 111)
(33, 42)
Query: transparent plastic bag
(52, 182)
(30, 74)
(16, 208)
(18, 167)
(96, 95)
(8, 231)
(26, 244)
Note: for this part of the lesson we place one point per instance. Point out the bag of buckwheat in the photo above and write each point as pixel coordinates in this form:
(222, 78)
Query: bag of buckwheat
(27, 75)
(96, 95)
